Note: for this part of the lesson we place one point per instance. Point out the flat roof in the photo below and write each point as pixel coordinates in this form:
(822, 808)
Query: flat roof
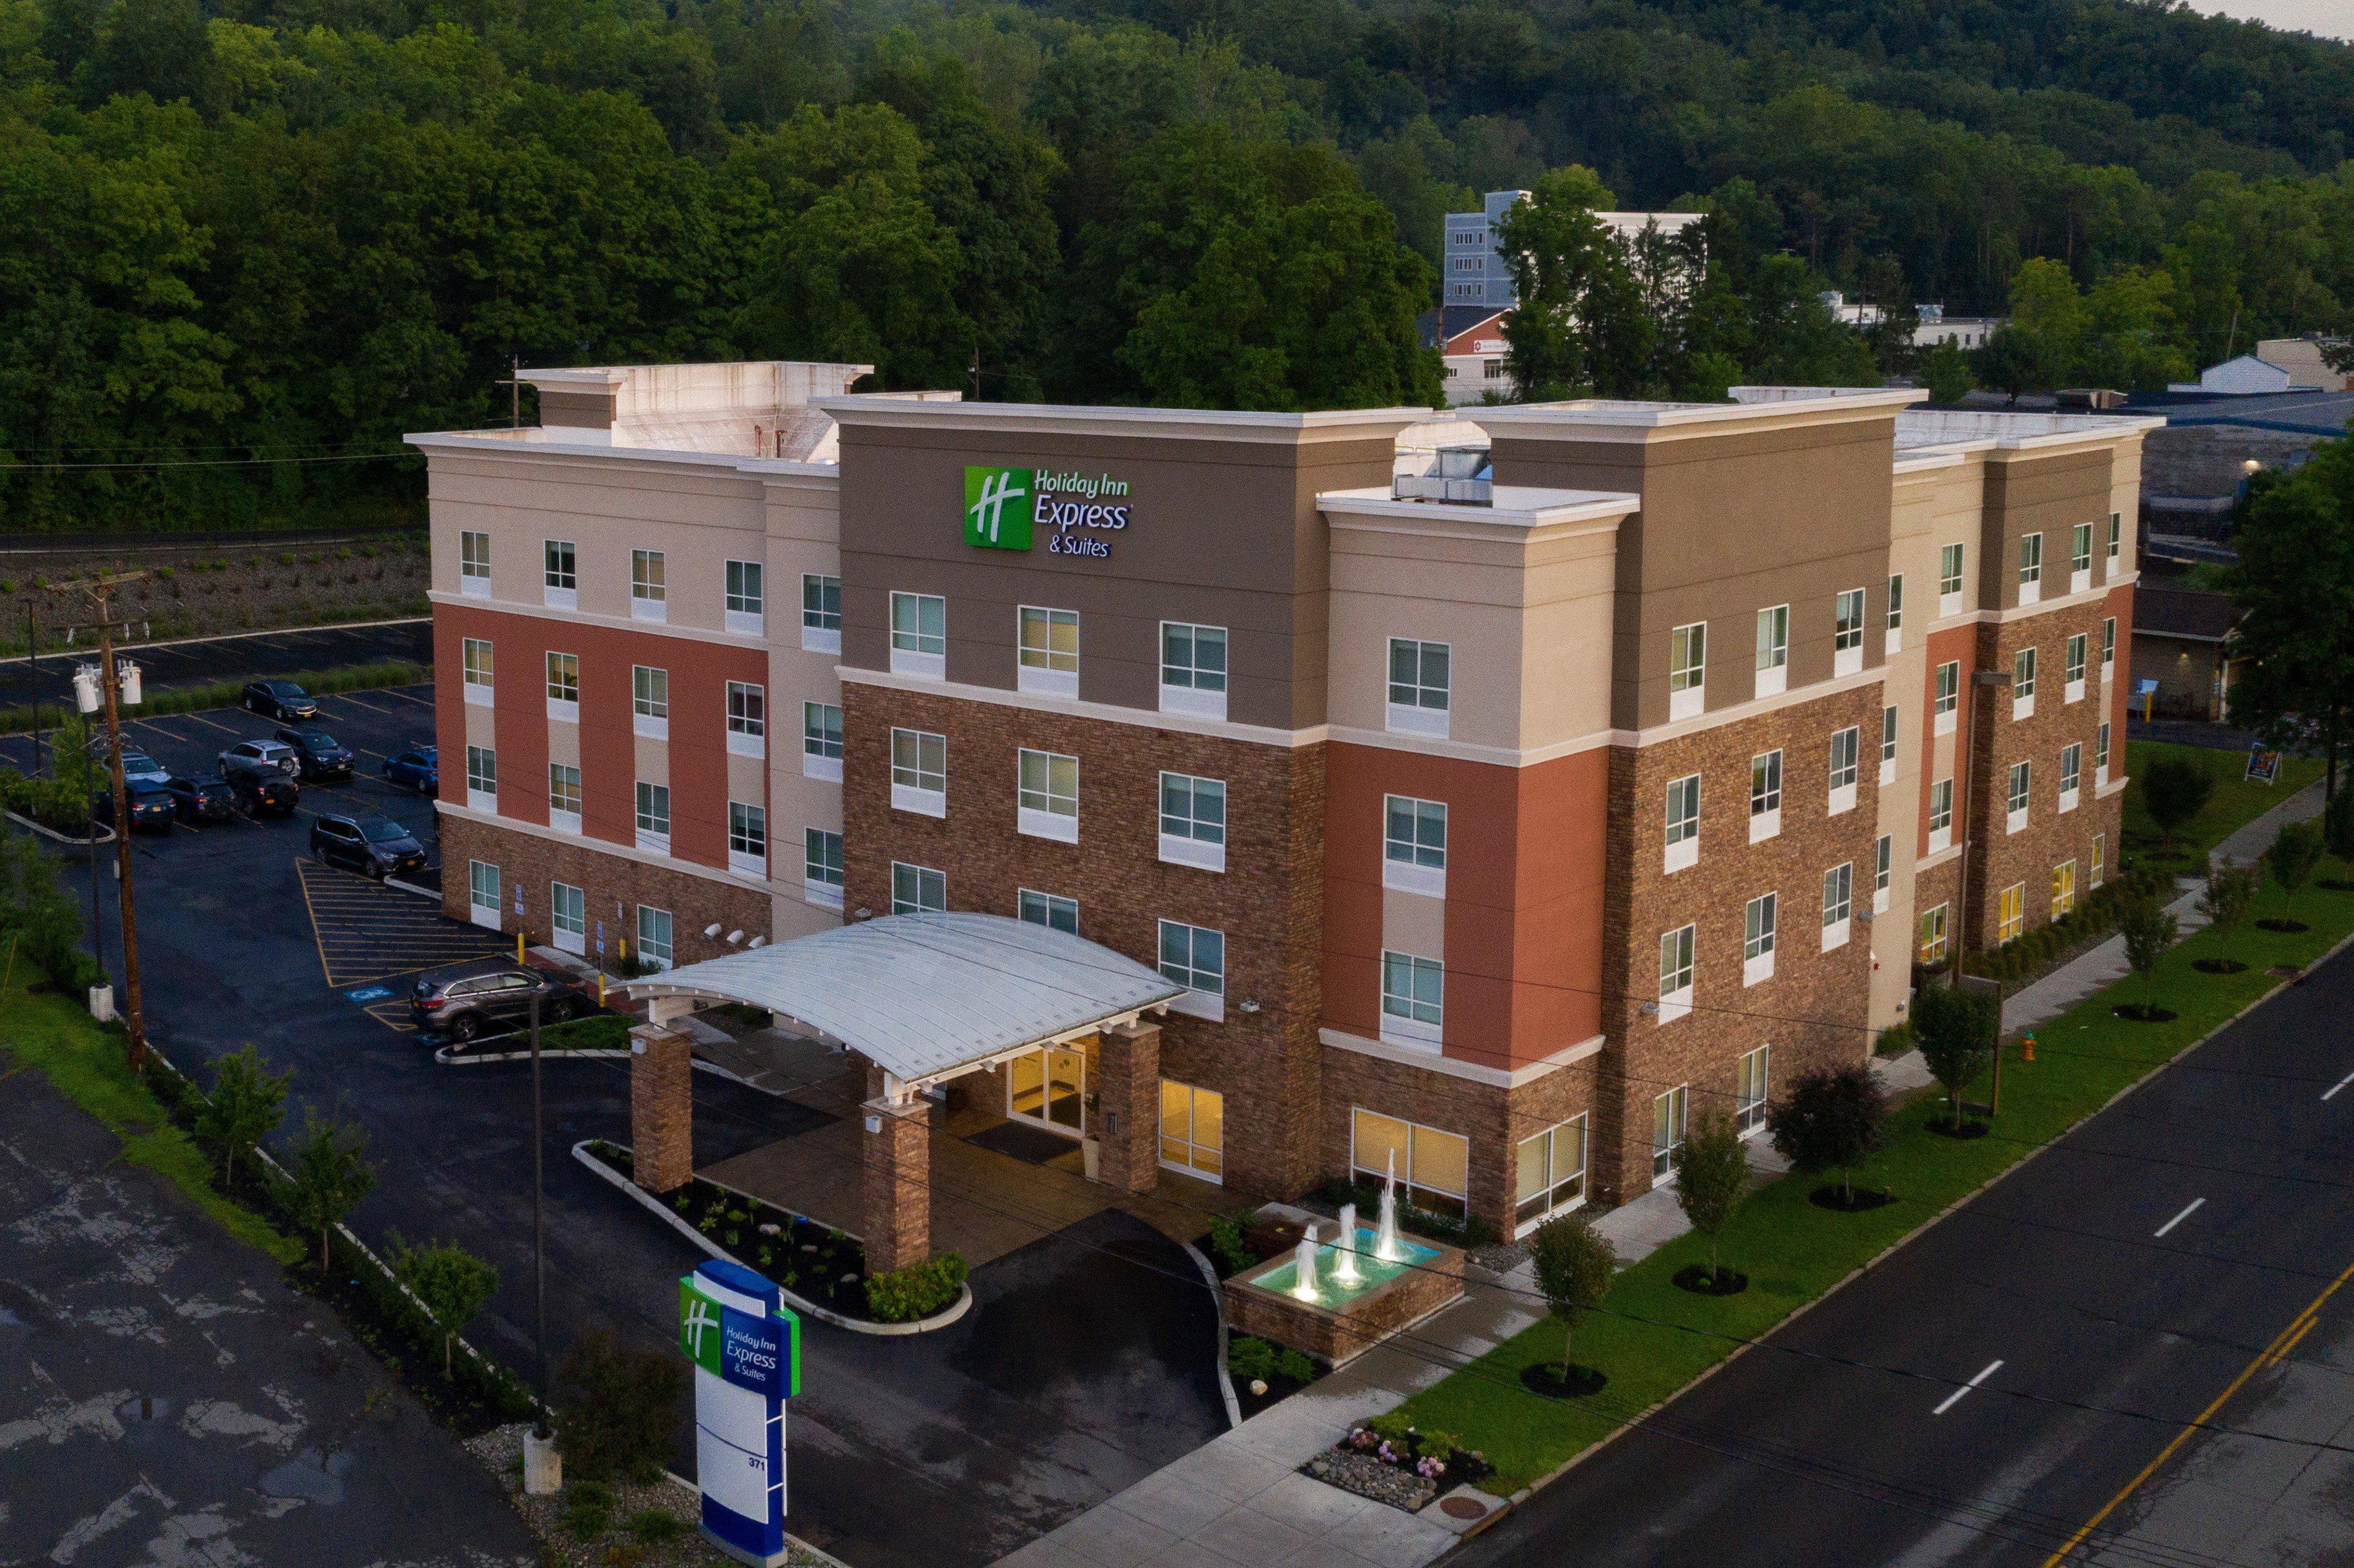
(1514, 505)
(1001, 419)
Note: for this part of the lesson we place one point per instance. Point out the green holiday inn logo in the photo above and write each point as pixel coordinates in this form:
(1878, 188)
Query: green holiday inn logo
(997, 502)
(698, 1327)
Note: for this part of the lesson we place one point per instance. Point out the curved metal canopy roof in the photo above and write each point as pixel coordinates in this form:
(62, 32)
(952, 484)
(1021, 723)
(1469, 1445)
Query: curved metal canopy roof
(925, 996)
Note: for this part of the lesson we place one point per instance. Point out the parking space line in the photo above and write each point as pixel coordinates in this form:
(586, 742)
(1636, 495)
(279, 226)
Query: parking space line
(2340, 1084)
(1956, 1397)
(2187, 1210)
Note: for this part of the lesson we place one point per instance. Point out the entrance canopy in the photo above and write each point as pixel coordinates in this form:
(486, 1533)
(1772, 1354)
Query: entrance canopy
(930, 996)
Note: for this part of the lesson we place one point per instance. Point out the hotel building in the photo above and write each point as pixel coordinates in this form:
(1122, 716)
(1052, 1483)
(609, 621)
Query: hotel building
(1504, 793)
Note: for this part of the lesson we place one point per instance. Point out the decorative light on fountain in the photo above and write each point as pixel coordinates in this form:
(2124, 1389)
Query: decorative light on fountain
(1345, 1272)
(1386, 1242)
(1303, 1267)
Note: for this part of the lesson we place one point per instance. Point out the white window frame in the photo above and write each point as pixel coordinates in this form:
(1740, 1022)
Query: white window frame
(1560, 1188)
(2022, 684)
(915, 786)
(1408, 1017)
(744, 598)
(2030, 569)
(1941, 816)
(2072, 671)
(1196, 1001)
(915, 651)
(1412, 864)
(823, 867)
(483, 766)
(2115, 545)
(747, 719)
(1845, 762)
(1753, 1083)
(912, 886)
(2063, 889)
(653, 816)
(2108, 649)
(747, 838)
(480, 665)
(473, 562)
(2101, 756)
(1188, 838)
(649, 586)
(1412, 1173)
(1761, 918)
(822, 744)
(1950, 580)
(1419, 715)
(1773, 650)
(567, 919)
(1848, 615)
(1948, 702)
(820, 613)
(1887, 748)
(1682, 825)
(2080, 558)
(1883, 868)
(1042, 809)
(1045, 670)
(1839, 904)
(2010, 912)
(1929, 941)
(2019, 793)
(486, 913)
(650, 701)
(1765, 795)
(1197, 689)
(657, 929)
(2100, 859)
(1676, 950)
(2072, 774)
(1046, 905)
(1688, 670)
(559, 572)
(1670, 1118)
(563, 677)
(1893, 642)
(564, 819)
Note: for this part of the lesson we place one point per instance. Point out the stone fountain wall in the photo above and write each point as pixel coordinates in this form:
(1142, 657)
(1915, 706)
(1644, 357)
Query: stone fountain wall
(1325, 1332)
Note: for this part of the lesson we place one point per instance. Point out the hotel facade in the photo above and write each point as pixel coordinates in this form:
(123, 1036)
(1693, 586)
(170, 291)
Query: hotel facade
(1505, 790)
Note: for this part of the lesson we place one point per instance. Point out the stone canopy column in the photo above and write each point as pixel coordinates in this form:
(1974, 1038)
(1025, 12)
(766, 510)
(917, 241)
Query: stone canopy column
(896, 1171)
(661, 1106)
(1128, 1107)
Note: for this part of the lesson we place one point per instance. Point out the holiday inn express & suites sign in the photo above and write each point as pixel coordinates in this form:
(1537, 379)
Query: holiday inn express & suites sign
(1003, 507)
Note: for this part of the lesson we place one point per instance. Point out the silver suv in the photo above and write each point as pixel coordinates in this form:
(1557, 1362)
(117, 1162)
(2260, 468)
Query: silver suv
(260, 756)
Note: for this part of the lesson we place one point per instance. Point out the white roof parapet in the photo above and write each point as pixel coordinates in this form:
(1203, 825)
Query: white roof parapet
(929, 996)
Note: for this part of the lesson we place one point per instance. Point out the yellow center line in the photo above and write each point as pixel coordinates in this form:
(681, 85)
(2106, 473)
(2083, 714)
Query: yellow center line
(2301, 1325)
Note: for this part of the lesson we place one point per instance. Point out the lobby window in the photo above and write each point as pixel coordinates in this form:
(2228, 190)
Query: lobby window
(1895, 638)
(1941, 815)
(1194, 822)
(2016, 794)
(1773, 650)
(820, 613)
(568, 908)
(1552, 1174)
(1683, 821)
(1047, 795)
(482, 778)
(650, 700)
(747, 838)
(649, 586)
(1047, 909)
(919, 772)
(822, 867)
(1752, 1081)
(1949, 580)
(1839, 904)
(747, 600)
(653, 936)
(747, 719)
(473, 563)
(1192, 1129)
(2072, 772)
(2075, 669)
(654, 817)
(1888, 744)
(482, 894)
(917, 888)
(2030, 567)
(2109, 648)
(560, 576)
(564, 797)
(1765, 795)
(1667, 1112)
(2063, 888)
(1846, 743)
(822, 742)
(1050, 652)
(1414, 845)
(1676, 972)
(1413, 994)
(1192, 669)
(480, 673)
(2010, 912)
(1195, 957)
(1758, 921)
(2080, 558)
(1933, 935)
(1433, 1166)
(919, 635)
(1419, 677)
(564, 687)
(1688, 670)
(1949, 696)
(1884, 863)
(2116, 533)
(1847, 634)
(2100, 858)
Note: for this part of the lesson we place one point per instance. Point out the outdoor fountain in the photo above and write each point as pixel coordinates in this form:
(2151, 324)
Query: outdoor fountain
(1345, 1272)
(1386, 1246)
(1303, 1266)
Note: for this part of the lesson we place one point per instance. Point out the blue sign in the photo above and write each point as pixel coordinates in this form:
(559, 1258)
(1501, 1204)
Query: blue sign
(369, 993)
(746, 1353)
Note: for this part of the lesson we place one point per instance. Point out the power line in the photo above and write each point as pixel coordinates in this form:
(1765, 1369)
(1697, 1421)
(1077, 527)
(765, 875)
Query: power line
(6, 469)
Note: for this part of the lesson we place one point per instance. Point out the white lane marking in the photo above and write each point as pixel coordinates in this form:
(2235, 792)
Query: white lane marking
(1956, 1397)
(2187, 1210)
(2331, 1093)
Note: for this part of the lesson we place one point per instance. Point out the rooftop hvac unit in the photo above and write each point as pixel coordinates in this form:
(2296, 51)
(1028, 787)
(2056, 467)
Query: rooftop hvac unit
(1459, 475)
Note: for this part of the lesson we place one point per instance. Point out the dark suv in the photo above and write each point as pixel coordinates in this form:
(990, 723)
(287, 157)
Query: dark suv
(373, 846)
(203, 797)
(152, 810)
(318, 754)
(264, 794)
(465, 1001)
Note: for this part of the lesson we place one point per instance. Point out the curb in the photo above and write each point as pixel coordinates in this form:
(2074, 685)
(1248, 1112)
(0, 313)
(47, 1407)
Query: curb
(412, 887)
(1225, 1378)
(443, 1056)
(81, 849)
(941, 1320)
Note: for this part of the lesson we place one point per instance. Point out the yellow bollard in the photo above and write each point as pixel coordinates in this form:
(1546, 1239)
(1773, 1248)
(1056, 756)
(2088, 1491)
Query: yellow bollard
(518, 946)
(600, 988)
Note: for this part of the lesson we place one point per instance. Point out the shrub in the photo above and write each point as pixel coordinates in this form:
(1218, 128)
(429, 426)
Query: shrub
(2292, 857)
(1959, 1031)
(1294, 1366)
(1574, 1268)
(588, 1510)
(327, 1177)
(1248, 1357)
(1830, 1120)
(285, 558)
(2149, 930)
(917, 1290)
(453, 1283)
(2231, 891)
(615, 1408)
(245, 1105)
(652, 1526)
(1226, 1241)
(2173, 788)
(1895, 1040)
(1711, 1171)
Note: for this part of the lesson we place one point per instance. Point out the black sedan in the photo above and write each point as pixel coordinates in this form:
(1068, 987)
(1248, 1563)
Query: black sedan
(152, 808)
(279, 700)
(265, 794)
(373, 846)
(318, 754)
(466, 1001)
(205, 797)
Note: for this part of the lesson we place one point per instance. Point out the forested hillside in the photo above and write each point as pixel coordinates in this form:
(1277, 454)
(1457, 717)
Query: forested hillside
(295, 228)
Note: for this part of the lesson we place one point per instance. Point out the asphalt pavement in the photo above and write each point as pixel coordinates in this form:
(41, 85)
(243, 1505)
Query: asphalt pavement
(2032, 1361)
(1089, 1361)
(242, 656)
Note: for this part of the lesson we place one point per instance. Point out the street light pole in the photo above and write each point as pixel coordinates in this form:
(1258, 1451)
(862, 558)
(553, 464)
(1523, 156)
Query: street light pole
(538, 1230)
(100, 591)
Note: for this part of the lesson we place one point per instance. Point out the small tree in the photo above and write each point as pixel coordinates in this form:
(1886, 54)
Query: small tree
(616, 1408)
(2229, 893)
(1574, 1268)
(245, 1106)
(327, 1177)
(1712, 1176)
(2148, 930)
(2173, 790)
(2292, 857)
(1830, 1120)
(1959, 1032)
(451, 1282)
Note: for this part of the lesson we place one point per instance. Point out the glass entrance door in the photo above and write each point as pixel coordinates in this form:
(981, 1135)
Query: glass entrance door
(1048, 1087)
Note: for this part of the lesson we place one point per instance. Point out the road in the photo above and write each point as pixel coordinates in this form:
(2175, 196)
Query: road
(245, 656)
(2101, 1298)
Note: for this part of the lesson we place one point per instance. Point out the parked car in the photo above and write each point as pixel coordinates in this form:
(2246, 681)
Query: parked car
(151, 807)
(279, 700)
(260, 756)
(419, 768)
(136, 765)
(465, 1001)
(317, 754)
(373, 846)
(205, 797)
(264, 794)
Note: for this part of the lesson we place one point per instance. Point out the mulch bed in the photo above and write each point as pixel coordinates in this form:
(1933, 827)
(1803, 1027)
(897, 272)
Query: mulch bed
(2288, 928)
(1862, 1200)
(1279, 1389)
(2336, 884)
(2141, 1013)
(1697, 1278)
(2218, 966)
(1545, 1382)
(1962, 1134)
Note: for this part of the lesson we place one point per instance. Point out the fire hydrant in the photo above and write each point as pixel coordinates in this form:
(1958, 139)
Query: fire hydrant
(2026, 1048)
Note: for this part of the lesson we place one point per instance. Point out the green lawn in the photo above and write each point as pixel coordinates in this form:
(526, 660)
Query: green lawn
(56, 1037)
(2236, 800)
(1652, 1338)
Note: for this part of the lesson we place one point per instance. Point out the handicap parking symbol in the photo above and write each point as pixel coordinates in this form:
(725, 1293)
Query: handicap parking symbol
(369, 993)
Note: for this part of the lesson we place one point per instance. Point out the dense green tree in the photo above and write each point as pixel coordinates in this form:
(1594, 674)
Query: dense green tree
(2295, 591)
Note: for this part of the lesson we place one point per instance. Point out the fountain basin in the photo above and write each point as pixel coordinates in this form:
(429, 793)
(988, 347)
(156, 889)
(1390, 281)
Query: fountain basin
(1343, 1322)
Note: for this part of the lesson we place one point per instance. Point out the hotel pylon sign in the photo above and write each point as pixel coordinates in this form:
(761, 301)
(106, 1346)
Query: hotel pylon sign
(747, 1350)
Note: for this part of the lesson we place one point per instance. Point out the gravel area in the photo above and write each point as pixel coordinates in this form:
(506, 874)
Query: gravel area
(1369, 1478)
(1499, 1258)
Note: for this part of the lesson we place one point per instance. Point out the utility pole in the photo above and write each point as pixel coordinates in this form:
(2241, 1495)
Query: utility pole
(33, 664)
(538, 1230)
(513, 382)
(99, 591)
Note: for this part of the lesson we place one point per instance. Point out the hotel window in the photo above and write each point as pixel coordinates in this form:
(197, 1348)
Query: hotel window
(1941, 815)
(2101, 755)
(560, 577)
(1195, 957)
(1193, 1129)
(1933, 935)
(1839, 904)
(1688, 670)
(476, 652)
(1194, 822)
(2063, 888)
(2010, 912)
(1683, 821)
(564, 687)
(2109, 648)
(1884, 863)
(2116, 533)
(1949, 580)
(564, 796)
(919, 772)
(1434, 1166)
(650, 700)
(919, 635)
(1668, 1130)
(1192, 669)
(654, 816)
(2072, 770)
(482, 778)
(1047, 795)
(1846, 634)
(917, 888)
(2080, 558)
(1758, 920)
(2075, 667)
(1676, 972)
(2030, 567)
(1056, 913)
(1896, 637)
(568, 913)
(2015, 795)
(1551, 1173)
(2099, 857)
(1753, 1080)
(1050, 652)
(653, 936)
(1888, 744)
(1413, 994)
(822, 743)
(747, 838)
(1414, 845)
(820, 613)
(1773, 650)
(747, 719)
(482, 894)
(1845, 744)
(747, 605)
(473, 563)
(649, 588)
(1949, 696)
(1765, 795)
(1420, 680)
(2022, 682)
(822, 866)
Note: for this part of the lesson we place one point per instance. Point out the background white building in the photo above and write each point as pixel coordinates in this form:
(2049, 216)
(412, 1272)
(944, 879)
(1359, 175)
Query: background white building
(1474, 270)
